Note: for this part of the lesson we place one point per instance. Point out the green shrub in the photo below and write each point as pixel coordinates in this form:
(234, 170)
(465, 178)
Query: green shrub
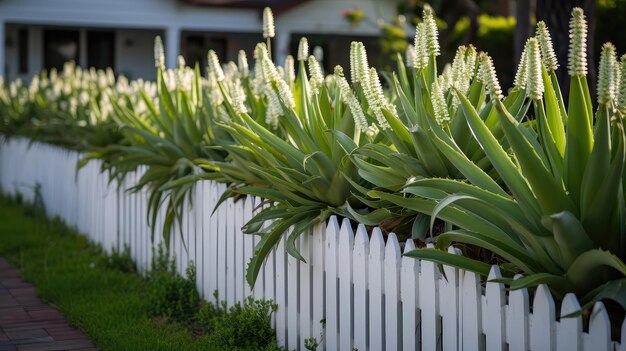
(170, 295)
(240, 327)
(121, 260)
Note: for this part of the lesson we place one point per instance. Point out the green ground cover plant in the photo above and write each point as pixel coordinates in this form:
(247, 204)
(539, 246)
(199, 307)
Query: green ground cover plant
(102, 296)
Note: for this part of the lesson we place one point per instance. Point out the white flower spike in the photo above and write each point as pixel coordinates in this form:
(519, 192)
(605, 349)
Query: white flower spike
(548, 56)
(242, 60)
(607, 78)
(290, 73)
(489, 77)
(521, 76)
(303, 49)
(439, 104)
(534, 85)
(347, 96)
(269, 30)
(214, 66)
(421, 54)
(431, 32)
(159, 53)
(317, 77)
(577, 63)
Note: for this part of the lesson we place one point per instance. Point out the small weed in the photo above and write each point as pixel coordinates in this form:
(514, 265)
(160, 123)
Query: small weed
(240, 327)
(37, 208)
(169, 294)
(311, 344)
(121, 260)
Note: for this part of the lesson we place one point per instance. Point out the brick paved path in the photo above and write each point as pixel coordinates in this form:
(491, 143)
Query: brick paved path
(26, 323)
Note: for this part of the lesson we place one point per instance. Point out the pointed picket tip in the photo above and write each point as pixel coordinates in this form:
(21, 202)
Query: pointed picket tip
(494, 273)
(543, 298)
(376, 240)
(250, 202)
(361, 237)
(453, 250)
(570, 305)
(332, 232)
(471, 279)
(409, 245)
(333, 224)
(393, 246)
(346, 235)
(248, 207)
(430, 245)
(600, 327)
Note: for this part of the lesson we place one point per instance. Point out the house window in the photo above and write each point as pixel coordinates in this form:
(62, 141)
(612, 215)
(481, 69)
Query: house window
(196, 45)
(101, 49)
(195, 51)
(60, 46)
(22, 44)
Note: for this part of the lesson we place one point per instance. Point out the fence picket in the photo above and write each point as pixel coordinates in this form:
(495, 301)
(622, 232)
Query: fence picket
(229, 256)
(569, 329)
(222, 226)
(409, 273)
(281, 294)
(332, 310)
(599, 337)
(239, 255)
(393, 311)
(495, 320)
(248, 242)
(375, 281)
(429, 305)
(318, 297)
(543, 320)
(472, 319)
(292, 301)
(360, 264)
(198, 210)
(305, 288)
(344, 273)
(449, 306)
(211, 243)
(517, 319)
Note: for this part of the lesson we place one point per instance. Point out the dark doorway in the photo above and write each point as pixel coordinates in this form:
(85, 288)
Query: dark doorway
(101, 49)
(60, 46)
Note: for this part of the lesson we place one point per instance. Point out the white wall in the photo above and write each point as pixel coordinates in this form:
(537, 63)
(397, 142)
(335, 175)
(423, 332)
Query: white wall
(324, 16)
(128, 14)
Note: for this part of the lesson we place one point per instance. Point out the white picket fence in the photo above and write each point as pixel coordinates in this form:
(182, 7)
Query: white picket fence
(356, 291)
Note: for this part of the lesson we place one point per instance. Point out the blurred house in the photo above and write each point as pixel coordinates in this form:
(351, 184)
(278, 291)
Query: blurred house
(42, 34)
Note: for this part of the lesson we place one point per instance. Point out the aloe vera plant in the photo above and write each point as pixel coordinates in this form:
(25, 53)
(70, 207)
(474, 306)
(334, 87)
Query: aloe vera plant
(69, 108)
(172, 139)
(297, 159)
(558, 215)
(429, 118)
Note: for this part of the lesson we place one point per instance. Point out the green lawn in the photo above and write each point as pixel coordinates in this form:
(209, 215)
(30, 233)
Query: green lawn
(69, 272)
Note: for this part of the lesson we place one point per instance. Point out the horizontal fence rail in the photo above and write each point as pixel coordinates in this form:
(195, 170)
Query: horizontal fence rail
(356, 290)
